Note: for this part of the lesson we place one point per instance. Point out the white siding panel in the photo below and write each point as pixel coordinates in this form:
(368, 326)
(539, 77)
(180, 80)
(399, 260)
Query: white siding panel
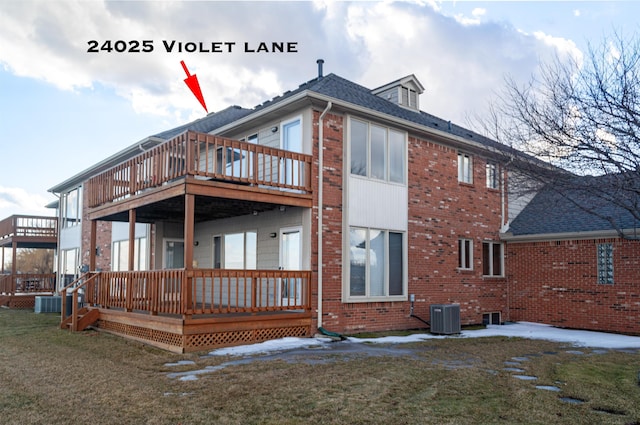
(377, 204)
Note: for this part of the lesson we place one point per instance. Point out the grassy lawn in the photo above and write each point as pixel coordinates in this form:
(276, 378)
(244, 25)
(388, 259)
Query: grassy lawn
(51, 376)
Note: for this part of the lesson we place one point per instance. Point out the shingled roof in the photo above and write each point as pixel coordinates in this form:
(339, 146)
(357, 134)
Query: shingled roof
(574, 210)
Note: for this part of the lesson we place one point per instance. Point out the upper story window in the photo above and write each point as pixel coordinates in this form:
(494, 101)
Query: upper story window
(605, 264)
(292, 135)
(493, 175)
(409, 97)
(377, 152)
(465, 168)
(71, 208)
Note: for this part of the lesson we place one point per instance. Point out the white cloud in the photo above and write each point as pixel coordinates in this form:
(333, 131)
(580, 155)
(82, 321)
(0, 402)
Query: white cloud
(15, 200)
(460, 61)
(563, 46)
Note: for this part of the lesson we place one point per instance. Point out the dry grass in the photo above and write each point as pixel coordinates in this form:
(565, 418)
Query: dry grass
(50, 376)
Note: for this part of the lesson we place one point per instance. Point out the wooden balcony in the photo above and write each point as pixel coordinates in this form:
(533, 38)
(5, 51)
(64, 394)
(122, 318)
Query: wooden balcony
(191, 310)
(26, 231)
(211, 161)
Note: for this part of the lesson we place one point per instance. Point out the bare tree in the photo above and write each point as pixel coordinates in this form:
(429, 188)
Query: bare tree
(39, 261)
(582, 117)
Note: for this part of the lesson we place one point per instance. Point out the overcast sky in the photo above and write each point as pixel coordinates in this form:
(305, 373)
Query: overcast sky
(63, 108)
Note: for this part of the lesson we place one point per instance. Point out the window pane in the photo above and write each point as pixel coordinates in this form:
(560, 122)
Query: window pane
(396, 157)
(395, 264)
(464, 254)
(217, 252)
(234, 251)
(464, 168)
(142, 253)
(497, 259)
(486, 259)
(378, 152)
(376, 263)
(251, 251)
(357, 261)
(292, 137)
(358, 148)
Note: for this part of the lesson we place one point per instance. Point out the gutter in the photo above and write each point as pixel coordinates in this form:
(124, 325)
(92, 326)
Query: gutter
(543, 237)
(320, 206)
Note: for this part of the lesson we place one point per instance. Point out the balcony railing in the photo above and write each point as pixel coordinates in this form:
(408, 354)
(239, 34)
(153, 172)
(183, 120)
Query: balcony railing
(29, 226)
(201, 291)
(207, 157)
(27, 283)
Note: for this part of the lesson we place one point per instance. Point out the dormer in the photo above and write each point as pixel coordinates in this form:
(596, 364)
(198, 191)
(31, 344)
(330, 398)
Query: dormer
(404, 92)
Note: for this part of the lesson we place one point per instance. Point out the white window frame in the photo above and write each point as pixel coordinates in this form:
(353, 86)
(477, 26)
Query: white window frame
(465, 168)
(68, 221)
(490, 263)
(465, 263)
(493, 175)
(223, 260)
(140, 263)
(387, 152)
(367, 297)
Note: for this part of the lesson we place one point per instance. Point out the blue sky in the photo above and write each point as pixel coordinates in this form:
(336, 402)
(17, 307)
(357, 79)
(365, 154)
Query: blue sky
(63, 109)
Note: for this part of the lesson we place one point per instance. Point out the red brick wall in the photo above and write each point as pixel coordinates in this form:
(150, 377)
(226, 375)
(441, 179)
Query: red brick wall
(440, 211)
(556, 283)
(103, 240)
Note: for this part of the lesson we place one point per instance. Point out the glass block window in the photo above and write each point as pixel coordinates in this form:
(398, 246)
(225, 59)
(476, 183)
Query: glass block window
(605, 264)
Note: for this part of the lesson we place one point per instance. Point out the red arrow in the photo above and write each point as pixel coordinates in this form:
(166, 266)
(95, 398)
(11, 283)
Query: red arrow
(192, 83)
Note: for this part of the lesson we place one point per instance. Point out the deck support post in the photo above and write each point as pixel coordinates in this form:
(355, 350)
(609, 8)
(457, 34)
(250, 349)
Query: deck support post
(14, 260)
(132, 238)
(189, 218)
(93, 245)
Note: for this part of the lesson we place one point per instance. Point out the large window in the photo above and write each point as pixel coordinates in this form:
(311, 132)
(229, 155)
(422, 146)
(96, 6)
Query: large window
(69, 265)
(465, 254)
(71, 207)
(465, 168)
(492, 263)
(235, 251)
(120, 255)
(377, 152)
(605, 264)
(376, 259)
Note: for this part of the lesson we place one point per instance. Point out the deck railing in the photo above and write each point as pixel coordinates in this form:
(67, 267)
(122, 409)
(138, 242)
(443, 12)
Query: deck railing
(25, 283)
(28, 226)
(201, 291)
(207, 157)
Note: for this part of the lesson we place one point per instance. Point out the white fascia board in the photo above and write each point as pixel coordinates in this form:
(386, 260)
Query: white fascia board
(337, 103)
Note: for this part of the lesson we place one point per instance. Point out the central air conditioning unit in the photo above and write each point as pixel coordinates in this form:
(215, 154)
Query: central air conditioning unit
(445, 319)
(48, 304)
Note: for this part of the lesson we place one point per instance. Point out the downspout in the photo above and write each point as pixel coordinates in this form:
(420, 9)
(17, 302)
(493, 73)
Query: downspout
(320, 206)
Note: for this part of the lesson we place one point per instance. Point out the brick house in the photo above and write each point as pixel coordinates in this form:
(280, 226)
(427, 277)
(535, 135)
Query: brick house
(332, 206)
(570, 267)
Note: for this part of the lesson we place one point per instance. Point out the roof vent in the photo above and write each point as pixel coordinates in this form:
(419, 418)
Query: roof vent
(320, 62)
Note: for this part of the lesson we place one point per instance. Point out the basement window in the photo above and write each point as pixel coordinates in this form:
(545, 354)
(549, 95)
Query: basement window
(491, 318)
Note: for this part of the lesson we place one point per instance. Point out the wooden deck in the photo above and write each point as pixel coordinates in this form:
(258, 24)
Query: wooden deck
(248, 176)
(17, 289)
(194, 310)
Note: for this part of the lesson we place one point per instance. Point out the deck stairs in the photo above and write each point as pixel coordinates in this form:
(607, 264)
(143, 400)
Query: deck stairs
(86, 318)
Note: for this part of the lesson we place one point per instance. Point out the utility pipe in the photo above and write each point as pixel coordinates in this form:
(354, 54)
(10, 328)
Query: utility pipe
(320, 206)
